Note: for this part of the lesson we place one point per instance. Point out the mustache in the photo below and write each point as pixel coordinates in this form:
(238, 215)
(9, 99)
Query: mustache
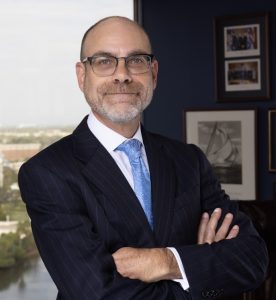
(120, 88)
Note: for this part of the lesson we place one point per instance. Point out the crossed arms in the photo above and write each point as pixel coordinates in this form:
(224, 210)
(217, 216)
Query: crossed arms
(155, 264)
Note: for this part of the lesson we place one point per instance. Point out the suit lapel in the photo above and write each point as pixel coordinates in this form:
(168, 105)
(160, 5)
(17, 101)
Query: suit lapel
(104, 174)
(163, 184)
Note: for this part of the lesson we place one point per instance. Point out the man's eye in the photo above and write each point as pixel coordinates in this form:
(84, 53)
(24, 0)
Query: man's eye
(136, 61)
(104, 61)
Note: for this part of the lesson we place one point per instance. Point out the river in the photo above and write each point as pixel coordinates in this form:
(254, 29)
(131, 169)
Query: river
(29, 281)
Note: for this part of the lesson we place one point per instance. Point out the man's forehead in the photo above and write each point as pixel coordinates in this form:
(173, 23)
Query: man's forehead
(113, 25)
(115, 21)
(116, 33)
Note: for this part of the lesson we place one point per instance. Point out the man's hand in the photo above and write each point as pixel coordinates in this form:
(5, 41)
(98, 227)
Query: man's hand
(207, 228)
(148, 265)
(155, 264)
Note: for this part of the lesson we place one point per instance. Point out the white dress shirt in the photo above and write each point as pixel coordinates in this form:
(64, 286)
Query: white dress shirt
(111, 140)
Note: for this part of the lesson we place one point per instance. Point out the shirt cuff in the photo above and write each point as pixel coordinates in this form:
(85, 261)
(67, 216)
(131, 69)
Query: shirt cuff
(184, 281)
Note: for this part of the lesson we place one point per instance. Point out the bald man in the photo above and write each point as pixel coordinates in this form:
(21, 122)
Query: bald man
(121, 213)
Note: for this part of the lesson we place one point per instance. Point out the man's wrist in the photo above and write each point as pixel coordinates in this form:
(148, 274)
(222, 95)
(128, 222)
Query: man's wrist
(170, 269)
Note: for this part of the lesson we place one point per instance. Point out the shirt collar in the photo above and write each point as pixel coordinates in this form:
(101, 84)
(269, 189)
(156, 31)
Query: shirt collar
(108, 137)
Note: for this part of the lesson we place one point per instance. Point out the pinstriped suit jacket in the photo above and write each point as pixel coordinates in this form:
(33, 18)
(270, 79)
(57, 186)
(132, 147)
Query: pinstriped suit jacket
(83, 209)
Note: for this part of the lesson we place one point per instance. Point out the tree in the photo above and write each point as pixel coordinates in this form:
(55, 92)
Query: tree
(2, 214)
(10, 250)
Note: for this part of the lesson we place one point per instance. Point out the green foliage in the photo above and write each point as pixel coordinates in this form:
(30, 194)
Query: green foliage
(10, 176)
(11, 250)
(28, 243)
(6, 194)
(16, 210)
(16, 246)
(2, 214)
(6, 262)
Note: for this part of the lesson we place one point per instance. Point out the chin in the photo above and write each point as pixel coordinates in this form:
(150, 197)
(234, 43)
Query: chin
(123, 117)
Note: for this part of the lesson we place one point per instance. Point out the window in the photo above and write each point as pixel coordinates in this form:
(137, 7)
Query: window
(40, 102)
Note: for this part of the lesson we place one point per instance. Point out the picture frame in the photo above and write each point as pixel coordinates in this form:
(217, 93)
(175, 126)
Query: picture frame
(137, 11)
(242, 58)
(228, 139)
(272, 140)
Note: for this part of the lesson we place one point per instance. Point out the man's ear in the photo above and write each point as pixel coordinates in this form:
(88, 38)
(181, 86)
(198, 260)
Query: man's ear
(80, 71)
(154, 70)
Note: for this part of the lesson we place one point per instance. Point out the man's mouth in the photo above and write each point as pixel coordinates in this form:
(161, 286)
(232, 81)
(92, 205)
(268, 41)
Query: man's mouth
(122, 93)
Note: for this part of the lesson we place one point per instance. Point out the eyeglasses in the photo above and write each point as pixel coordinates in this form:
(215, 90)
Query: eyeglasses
(105, 65)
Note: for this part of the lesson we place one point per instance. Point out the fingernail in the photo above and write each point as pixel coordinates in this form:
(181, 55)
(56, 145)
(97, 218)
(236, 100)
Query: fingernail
(229, 215)
(216, 210)
(205, 215)
(235, 227)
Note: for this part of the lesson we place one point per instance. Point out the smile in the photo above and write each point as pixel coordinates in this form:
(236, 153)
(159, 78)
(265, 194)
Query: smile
(121, 93)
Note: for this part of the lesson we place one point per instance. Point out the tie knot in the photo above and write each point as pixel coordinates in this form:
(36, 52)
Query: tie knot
(132, 148)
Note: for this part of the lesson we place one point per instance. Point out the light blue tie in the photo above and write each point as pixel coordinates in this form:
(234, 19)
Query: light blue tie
(141, 177)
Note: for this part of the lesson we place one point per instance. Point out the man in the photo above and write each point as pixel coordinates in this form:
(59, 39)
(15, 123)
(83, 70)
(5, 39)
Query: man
(105, 232)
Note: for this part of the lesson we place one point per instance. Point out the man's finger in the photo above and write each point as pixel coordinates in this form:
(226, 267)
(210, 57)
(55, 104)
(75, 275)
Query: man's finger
(233, 232)
(211, 227)
(224, 228)
(202, 228)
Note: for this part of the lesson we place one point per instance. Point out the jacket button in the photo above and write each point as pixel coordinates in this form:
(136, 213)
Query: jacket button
(211, 293)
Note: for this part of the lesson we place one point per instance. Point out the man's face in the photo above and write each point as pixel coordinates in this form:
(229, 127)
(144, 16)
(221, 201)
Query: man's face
(121, 97)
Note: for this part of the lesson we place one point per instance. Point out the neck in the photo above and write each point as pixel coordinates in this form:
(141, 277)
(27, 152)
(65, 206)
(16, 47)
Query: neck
(125, 129)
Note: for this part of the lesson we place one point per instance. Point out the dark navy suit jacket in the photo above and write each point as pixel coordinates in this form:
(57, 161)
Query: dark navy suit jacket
(82, 210)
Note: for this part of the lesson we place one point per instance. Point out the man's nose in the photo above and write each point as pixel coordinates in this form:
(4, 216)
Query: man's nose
(121, 73)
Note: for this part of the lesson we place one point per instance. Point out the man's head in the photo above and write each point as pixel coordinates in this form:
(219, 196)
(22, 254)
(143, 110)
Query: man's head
(94, 26)
(117, 90)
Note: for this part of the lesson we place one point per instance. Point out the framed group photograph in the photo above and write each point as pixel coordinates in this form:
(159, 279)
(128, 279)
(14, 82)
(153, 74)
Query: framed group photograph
(272, 140)
(242, 58)
(228, 139)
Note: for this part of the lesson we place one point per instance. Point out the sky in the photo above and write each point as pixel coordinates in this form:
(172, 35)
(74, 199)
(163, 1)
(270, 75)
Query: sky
(40, 44)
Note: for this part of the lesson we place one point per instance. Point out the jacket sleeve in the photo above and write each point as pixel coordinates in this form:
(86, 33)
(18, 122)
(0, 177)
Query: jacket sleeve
(228, 267)
(75, 255)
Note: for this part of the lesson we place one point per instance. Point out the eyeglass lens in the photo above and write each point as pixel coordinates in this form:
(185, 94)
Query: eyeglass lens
(106, 65)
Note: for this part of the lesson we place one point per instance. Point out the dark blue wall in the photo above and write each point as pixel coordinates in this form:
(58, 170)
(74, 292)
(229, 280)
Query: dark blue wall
(183, 41)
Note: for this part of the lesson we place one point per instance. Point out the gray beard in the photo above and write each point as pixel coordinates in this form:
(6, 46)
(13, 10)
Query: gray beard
(117, 116)
(106, 111)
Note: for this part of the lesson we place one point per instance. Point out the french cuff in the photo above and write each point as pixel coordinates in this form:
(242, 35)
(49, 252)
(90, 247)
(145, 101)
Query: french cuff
(184, 281)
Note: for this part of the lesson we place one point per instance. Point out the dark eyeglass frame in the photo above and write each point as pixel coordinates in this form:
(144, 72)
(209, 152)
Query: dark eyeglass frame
(150, 58)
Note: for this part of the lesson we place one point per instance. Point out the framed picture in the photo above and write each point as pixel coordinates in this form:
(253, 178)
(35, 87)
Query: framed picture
(242, 58)
(228, 139)
(272, 140)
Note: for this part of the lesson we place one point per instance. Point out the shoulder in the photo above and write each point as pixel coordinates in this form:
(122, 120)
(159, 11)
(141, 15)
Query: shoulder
(181, 155)
(60, 152)
(57, 149)
(53, 155)
(187, 160)
(174, 148)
